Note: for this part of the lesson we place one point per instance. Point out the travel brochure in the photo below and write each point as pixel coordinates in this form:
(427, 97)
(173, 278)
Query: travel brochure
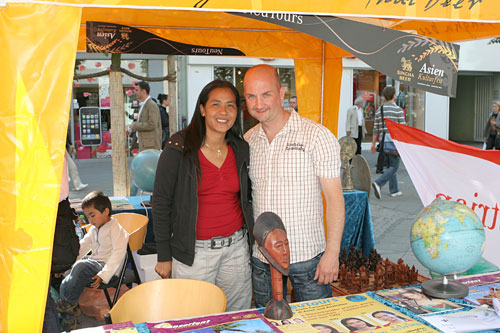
(245, 321)
(412, 299)
(354, 313)
(483, 288)
(475, 320)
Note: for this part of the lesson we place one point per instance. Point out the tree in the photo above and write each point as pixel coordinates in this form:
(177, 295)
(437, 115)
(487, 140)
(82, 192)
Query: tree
(121, 180)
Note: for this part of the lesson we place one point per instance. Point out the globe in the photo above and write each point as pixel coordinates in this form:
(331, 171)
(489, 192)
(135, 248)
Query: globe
(447, 237)
(143, 169)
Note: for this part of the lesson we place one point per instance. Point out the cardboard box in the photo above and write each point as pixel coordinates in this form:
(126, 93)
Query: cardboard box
(144, 261)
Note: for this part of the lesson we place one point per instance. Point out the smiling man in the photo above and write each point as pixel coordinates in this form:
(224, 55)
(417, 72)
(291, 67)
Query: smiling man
(292, 160)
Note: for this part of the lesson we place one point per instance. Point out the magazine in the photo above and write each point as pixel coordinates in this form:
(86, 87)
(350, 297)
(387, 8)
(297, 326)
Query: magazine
(126, 327)
(348, 314)
(479, 279)
(474, 320)
(245, 321)
(415, 301)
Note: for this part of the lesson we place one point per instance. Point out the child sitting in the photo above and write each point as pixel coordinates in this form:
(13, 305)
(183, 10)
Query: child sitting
(108, 242)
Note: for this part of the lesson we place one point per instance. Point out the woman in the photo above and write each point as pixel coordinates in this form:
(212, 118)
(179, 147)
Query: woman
(426, 304)
(490, 130)
(203, 220)
(358, 325)
(162, 105)
(389, 317)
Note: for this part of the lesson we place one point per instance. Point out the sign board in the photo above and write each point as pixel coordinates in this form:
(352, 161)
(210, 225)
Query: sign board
(90, 126)
(103, 37)
(418, 61)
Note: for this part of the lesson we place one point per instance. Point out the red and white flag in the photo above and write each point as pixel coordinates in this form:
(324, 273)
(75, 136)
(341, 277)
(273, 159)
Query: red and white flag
(442, 168)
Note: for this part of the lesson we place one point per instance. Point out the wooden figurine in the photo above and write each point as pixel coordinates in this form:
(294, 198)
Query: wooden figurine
(270, 234)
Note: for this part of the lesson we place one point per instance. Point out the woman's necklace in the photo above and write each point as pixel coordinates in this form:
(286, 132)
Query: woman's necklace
(218, 150)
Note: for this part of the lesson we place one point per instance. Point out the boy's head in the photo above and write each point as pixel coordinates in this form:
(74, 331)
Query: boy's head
(97, 208)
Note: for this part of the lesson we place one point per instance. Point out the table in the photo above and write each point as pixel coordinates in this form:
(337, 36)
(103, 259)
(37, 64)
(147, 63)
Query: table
(358, 229)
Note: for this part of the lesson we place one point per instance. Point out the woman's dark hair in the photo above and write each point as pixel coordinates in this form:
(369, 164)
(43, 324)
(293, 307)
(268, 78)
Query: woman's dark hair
(196, 130)
(332, 330)
(162, 97)
(353, 329)
(389, 313)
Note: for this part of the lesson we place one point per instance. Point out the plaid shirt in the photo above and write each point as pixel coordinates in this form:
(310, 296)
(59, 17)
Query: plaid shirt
(285, 178)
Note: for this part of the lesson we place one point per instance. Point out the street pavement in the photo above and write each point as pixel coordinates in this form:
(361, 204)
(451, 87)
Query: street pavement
(392, 217)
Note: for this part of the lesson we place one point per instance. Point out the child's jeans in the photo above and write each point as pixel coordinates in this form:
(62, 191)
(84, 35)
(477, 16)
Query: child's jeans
(80, 277)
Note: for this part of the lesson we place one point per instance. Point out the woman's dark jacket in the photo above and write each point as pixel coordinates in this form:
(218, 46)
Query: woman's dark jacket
(175, 199)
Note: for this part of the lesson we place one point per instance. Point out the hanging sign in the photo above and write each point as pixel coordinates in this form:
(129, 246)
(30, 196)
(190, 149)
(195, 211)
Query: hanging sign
(418, 61)
(116, 38)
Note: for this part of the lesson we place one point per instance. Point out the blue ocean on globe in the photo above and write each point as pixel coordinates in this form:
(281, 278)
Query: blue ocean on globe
(143, 169)
(447, 237)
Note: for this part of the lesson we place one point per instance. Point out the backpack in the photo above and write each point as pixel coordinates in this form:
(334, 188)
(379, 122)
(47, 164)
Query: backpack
(66, 242)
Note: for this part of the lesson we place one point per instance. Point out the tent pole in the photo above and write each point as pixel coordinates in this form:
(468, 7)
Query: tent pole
(322, 78)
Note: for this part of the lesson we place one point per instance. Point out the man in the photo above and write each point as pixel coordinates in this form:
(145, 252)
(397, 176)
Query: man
(291, 160)
(392, 112)
(148, 124)
(355, 123)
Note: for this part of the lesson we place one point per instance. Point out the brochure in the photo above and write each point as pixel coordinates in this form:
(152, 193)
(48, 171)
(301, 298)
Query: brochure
(352, 313)
(479, 279)
(245, 321)
(415, 301)
(126, 327)
(478, 319)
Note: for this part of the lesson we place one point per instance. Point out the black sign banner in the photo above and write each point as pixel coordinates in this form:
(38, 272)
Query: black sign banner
(421, 62)
(115, 38)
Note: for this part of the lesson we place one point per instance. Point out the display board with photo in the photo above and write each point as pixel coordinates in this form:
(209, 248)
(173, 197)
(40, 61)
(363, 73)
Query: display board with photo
(415, 301)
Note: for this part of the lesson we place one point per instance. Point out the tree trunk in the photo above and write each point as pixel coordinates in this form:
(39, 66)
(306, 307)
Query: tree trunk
(118, 135)
(172, 93)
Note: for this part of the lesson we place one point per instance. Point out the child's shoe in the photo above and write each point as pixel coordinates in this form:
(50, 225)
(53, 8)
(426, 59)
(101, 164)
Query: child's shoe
(64, 307)
(69, 323)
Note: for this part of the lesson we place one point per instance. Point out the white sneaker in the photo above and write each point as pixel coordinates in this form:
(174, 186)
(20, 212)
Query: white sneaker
(397, 194)
(81, 187)
(376, 190)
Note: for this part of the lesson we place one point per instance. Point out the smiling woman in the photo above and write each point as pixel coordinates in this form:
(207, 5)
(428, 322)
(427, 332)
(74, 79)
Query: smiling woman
(200, 200)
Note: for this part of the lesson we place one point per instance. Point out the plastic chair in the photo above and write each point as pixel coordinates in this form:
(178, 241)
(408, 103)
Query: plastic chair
(136, 226)
(167, 299)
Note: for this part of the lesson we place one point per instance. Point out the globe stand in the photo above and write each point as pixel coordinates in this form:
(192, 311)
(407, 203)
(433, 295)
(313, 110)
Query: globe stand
(444, 288)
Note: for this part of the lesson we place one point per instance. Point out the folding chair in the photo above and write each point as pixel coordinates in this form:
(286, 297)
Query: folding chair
(167, 299)
(136, 226)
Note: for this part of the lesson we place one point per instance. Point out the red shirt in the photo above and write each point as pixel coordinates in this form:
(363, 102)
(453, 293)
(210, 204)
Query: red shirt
(219, 209)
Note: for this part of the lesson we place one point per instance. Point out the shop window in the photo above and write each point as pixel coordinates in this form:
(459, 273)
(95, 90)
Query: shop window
(369, 85)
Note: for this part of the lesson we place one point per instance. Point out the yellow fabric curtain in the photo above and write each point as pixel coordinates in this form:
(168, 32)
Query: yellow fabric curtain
(38, 45)
(453, 10)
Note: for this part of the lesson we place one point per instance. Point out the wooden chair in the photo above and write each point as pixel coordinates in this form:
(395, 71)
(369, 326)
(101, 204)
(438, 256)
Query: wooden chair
(167, 299)
(136, 226)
